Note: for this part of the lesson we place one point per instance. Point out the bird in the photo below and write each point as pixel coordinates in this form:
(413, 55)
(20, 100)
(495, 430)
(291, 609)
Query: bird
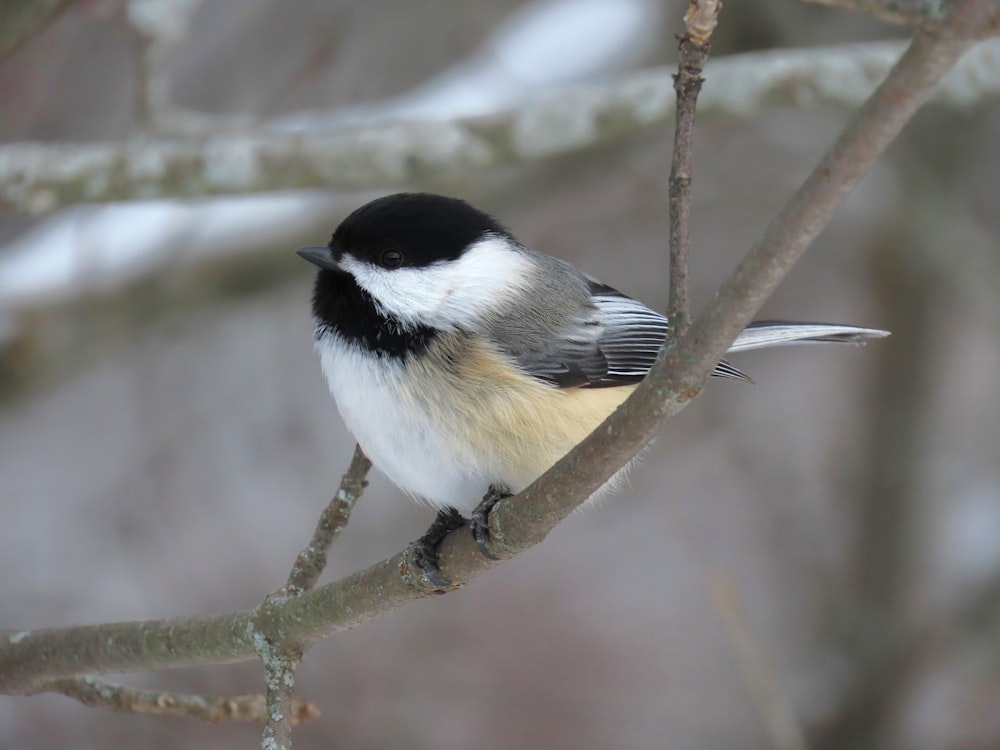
(465, 363)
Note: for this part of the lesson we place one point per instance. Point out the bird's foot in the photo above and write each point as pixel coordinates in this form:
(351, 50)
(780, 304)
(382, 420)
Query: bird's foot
(424, 551)
(480, 521)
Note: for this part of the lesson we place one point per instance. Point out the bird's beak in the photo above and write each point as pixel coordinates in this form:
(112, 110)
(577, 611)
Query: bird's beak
(319, 256)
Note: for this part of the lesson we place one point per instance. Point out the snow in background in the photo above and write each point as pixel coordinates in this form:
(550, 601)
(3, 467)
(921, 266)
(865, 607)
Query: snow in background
(546, 43)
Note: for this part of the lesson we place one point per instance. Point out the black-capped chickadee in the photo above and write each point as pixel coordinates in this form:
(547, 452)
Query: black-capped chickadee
(466, 364)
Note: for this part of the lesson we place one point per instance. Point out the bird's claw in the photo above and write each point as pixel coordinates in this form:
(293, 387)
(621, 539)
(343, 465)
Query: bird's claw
(480, 521)
(424, 551)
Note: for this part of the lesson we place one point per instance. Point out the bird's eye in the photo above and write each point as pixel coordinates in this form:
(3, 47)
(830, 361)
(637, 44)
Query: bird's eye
(390, 259)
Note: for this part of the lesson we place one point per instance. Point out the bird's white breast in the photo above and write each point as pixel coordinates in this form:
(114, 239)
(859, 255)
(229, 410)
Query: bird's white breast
(375, 399)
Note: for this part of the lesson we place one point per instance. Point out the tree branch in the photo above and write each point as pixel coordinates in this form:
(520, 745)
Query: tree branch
(29, 658)
(22, 19)
(40, 178)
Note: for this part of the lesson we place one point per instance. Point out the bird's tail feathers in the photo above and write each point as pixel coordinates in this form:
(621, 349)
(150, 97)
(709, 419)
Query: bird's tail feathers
(764, 333)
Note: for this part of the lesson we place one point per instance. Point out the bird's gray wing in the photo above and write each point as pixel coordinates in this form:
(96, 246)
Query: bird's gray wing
(613, 342)
(566, 356)
(632, 335)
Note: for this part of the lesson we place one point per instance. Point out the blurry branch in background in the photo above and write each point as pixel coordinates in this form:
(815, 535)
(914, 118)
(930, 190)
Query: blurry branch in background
(759, 679)
(40, 178)
(22, 19)
(28, 658)
(157, 27)
(919, 268)
(861, 720)
(982, 19)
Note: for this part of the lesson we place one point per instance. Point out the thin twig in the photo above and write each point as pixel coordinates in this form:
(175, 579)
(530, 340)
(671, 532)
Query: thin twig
(779, 720)
(780, 723)
(280, 665)
(280, 656)
(279, 676)
(211, 708)
(694, 47)
(312, 559)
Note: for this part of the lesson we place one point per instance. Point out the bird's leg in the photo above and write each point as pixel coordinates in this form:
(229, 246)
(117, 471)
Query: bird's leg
(424, 551)
(480, 521)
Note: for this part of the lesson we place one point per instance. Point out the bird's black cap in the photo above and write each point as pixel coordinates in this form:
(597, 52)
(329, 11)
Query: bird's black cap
(424, 227)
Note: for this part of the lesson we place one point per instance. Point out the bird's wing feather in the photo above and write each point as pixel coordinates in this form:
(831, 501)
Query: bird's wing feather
(614, 344)
(631, 335)
(569, 360)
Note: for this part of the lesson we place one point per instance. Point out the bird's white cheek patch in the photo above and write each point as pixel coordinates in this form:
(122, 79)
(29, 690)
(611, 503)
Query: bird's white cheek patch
(409, 294)
(446, 294)
(484, 279)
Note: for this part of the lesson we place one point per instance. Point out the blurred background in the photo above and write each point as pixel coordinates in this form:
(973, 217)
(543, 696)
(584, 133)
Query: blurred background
(818, 553)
